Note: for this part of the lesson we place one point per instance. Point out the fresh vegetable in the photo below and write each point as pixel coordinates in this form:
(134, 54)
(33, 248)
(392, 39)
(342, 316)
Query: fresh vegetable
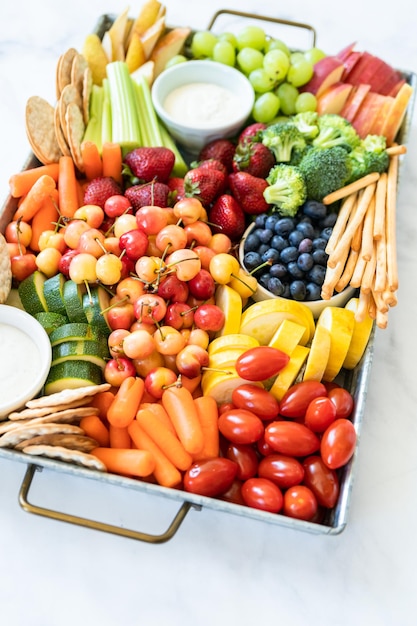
(334, 161)
(282, 138)
(179, 404)
(126, 402)
(32, 202)
(369, 156)
(22, 182)
(68, 189)
(210, 477)
(335, 130)
(287, 189)
(127, 462)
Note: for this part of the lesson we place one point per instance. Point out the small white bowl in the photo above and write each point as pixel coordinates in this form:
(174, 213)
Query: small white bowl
(315, 306)
(195, 127)
(25, 360)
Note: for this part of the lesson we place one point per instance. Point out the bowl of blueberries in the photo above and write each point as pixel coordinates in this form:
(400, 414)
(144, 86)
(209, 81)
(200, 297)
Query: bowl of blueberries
(288, 256)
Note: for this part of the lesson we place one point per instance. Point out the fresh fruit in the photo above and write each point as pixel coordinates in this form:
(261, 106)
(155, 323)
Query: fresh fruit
(340, 322)
(148, 194)
(262, 319)
(219, 149)
(248, 191)
(98, 190)
(253, 158)
(360, 337)
(204, 184)
(290, 372)
(287, 336)
(150, 163)
(318, 356)
(230, 303)
(227, 217)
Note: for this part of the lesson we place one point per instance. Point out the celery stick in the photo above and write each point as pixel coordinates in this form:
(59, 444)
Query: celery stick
(144, 128)
(148, 118)
(125, 123)
(95, 110)
(106, 123)
(180, 166)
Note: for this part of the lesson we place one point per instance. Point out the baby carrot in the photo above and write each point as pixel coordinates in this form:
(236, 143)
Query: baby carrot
(93, 166)
(127, 462)
(192, 384)
(208, 414)
(35, 198)
(67, 187)
(94, 428)
(179, 404)
(21, 182)
(159, 412)
(164, 439)
(126, 402)
(102, 401)
(119, 437)
(111, 156)
(165, 473)
(44, 219)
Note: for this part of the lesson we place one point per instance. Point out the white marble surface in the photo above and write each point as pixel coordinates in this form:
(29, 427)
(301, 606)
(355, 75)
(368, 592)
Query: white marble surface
(220, 568)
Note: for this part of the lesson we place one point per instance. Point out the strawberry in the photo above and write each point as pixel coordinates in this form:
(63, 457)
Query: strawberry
(211, 164)
(204, 184)
(253, 157)
(219, 149)
(99, 189)
(226, 216)
(248, 191)
(251, 131)
(148, 194)
(176, 188)
(147, 164)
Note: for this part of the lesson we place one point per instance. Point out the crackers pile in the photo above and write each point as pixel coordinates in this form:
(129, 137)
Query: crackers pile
(49, 426)
(57, 130)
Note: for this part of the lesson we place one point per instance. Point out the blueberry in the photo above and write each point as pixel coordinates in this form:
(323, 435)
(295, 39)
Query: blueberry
(329, 220)
(326, 232)
(313, 292)
(275, 286)
(270, 255)
(319, 243)
(284, 226)
(265, 235)
(313, 208)
(298, 290)
(305, 261)
(305, 245)
(278, 270)
(264, 279)
(306, 229)
(290, 253)
(252, 242)
(251, 260)
(278, 242)
(271, 221)
(316, 274)
(260, 220)
(295, 238)
(295, 270)
(320, 257)
(286, 293)
(263, 248)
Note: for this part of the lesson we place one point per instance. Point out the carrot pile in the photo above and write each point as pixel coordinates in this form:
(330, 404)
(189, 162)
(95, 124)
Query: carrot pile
(362, 247)
(156, 440)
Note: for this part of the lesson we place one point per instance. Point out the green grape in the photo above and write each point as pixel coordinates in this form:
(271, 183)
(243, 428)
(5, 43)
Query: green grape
(251, 37)
(276, 64)
(202, 44)
(230, 37)
(277, 44)
(296, 56)
(314, 54)
(287, 95)
(266, 107)
(249, 59)
(175, 60)
(224, 52)
(261, 81)
(300, 72)
(305, 102)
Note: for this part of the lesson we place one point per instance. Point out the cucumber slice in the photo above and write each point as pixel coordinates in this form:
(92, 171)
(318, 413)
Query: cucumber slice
(53, 290)
(71, 375)
(73, 298)
(31, 293)
(50, 321)
(75, 332)
(84, 350)
(95, 305)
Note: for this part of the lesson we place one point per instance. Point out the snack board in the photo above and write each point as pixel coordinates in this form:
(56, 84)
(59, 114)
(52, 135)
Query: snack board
(335, 521)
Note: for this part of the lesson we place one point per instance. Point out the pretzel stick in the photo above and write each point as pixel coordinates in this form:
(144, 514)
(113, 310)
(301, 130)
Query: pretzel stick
(396, 150)
(346, 238)
(358, 271)
(390, 231)
(356, 243)
(367, 248)
(348, 271)
(381, 265)
(361, 183)
(342, 218)
(369, 273)
(380, 199)
(331, 278)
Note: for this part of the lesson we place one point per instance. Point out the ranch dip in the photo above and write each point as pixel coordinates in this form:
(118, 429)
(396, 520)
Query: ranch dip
(202, 105)
(20, 362)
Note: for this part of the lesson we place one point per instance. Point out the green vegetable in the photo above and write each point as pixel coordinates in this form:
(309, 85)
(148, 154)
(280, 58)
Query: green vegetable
(126, 130)
(325, 170)
(369, 156)
(287, 189)
(93, 131)
(335, 130)
(282, 138)
(307, 123)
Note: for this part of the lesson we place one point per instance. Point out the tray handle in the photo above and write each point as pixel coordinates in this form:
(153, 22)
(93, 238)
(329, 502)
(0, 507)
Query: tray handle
(275, 20)
(93, 524)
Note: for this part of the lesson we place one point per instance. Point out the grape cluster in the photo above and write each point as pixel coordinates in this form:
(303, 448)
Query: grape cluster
(287, 254)
(275, 72)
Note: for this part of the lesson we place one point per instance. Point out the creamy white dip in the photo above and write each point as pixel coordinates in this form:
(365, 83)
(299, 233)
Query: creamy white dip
(20, 362)
(202, 105)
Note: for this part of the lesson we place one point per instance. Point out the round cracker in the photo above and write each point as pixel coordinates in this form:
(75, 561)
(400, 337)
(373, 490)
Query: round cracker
(60, 137)
(70, 456)
(82, 443)
(25, 414)
(75, 133)
(15, 436)
(65, 67)
(78, 67)
(40, 130)
(68, 95)
(67, 395)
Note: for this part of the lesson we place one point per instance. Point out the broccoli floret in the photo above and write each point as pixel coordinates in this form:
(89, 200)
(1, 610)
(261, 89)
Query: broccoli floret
(307, 124)
(335, 130)
(325, 170)
(282, 138)
(287, 189)
(369, 156)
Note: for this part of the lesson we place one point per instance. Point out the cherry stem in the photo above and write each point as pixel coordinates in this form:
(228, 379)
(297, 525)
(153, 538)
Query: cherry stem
(243, 282)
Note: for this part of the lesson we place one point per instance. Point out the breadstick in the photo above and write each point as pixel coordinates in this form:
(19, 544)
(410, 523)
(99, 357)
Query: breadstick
(381, 265)
(331, 278)
(396, 150)
(369, 273)
(345, 211)
(362, 310)
(356, 243)
(380, 200)
(358, 271)
(361, 183)
(381, 305)
(367, 248)
(390, 297)
(346, 238)
(390, 230)
(381, 319)
(348, 271)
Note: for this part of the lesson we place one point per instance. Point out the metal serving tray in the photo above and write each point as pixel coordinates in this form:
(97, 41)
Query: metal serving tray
(356, 381)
